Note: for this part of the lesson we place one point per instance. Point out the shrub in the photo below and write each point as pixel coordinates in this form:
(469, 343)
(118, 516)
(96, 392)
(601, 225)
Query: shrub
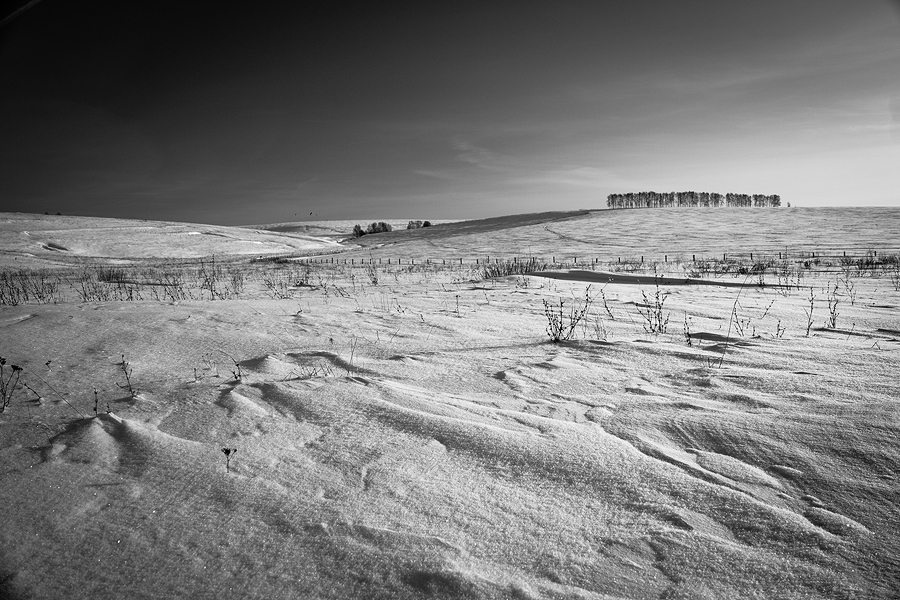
(809, 313)
(358, 231)
(561, 324)
(656, 320)
(833, 301)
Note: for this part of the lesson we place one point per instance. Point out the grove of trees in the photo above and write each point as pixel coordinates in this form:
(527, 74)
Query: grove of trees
(696, 199)
(418, 224)
(379, 227)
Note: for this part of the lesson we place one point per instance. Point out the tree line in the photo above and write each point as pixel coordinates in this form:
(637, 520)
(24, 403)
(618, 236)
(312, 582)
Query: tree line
(677, 199)
(382, 227)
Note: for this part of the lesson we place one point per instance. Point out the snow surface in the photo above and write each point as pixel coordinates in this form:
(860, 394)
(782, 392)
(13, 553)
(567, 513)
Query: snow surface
(422, 437)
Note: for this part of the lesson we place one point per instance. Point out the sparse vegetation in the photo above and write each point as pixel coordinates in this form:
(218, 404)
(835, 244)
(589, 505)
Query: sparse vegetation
(688, 339)
(788, 277)
(656, 319)
(561, 321)
(126, 372)
(8, 382)
(833, 301)
(504, 268)
(22, 286)
(809, 312)
(606, 304)
(229, 454)
(892, 269)
(372, 272)
(217, 283)
(744, 321)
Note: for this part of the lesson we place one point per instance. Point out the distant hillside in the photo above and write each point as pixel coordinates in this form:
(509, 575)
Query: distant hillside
(691, 199)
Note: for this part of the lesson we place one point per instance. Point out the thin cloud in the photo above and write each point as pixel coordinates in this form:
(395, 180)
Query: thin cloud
(304, 184)
(434, 174)
(574, 176)
(473, 154)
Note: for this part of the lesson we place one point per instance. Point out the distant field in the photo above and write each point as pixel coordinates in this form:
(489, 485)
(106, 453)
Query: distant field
(610, 234)
(606, 235)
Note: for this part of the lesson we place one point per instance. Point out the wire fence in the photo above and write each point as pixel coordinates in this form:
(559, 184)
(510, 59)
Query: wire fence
(809, 259)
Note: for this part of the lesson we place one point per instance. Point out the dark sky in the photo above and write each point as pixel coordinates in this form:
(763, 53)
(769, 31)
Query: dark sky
(239, 112)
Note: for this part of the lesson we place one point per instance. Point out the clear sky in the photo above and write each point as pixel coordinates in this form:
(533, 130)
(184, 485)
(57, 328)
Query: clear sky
(236, 112)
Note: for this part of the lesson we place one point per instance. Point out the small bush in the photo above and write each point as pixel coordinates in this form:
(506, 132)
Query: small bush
(561, 324)
(833, 301)
(656, 320)
(809, 313)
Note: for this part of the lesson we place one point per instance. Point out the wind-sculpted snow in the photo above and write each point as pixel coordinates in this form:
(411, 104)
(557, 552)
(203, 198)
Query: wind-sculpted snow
(422, 437)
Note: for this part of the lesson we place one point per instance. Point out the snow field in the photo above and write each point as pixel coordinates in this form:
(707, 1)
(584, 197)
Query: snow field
(422, 437)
